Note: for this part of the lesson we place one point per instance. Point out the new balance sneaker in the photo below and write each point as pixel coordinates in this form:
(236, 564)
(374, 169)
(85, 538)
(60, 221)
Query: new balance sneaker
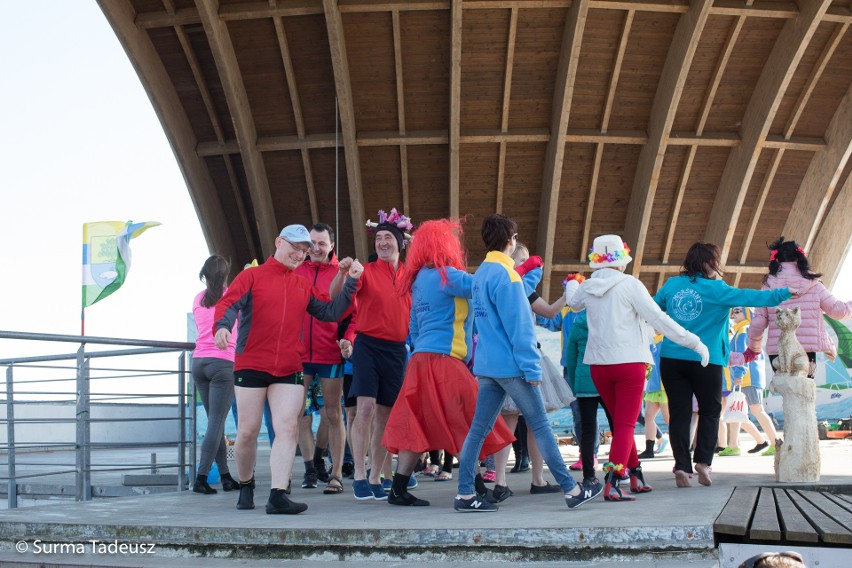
(310, 481)
(387, 485)
(361, 489)
(588, 491)
(475, 504)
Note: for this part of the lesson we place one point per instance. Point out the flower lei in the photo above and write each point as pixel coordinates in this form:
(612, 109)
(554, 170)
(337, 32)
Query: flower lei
(402, 222)
(610, 256)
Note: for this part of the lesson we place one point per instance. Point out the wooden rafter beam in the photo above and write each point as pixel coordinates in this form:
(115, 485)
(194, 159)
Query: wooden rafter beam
(757, 119)
(563, 94)
(400, 105)
(244, 127)
(258, 10)
(590, 204)
(832, 243)
(616, 68)
(343, 88)
(167, 104)
(195, 67)
(662, 267)
(821, 178)
(455, 103)
(295, 101)
(675, 71)
(507, 97)
(495, 136)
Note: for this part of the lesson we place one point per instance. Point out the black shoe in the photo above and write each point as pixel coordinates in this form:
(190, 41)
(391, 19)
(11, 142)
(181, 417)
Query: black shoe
(229, 483)
(280, 504)
(310, 481)
(647, 455)
(546, 488)
(500, 494)
(201, 486)
(516, 468)
(322, 471)
(348, 470)
(759, 448)
(718, 449)
(406, 500)
(246, 499)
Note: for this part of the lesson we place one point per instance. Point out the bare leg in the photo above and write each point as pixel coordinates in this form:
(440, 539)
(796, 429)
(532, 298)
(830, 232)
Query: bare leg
(765, 422)
(250, 408)
(306, 432)
(536, 461)
(287, 405)
(651, 410)
(361, 429)
(332, 390)
(752, 431)
(501, 458)
(378, 453)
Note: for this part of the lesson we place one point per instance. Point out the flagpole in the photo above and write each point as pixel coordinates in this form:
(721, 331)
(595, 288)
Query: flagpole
(82, 322)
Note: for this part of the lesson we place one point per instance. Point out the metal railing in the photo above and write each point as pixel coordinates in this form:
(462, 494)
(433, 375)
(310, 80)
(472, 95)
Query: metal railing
(42, 389)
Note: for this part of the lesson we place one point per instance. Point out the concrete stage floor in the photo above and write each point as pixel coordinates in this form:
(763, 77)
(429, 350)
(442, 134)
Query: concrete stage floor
(667, 527)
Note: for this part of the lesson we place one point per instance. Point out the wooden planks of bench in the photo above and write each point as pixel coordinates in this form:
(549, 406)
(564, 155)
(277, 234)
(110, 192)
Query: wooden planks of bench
(786, 516)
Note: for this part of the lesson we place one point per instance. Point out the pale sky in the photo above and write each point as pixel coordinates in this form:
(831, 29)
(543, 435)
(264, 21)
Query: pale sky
(81, 143)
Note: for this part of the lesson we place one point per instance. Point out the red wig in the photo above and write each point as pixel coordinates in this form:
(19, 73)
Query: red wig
(436, 244)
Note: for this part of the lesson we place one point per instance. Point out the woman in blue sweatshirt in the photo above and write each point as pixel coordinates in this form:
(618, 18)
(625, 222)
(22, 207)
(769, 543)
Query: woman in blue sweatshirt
(701, 303)
(507, 362)
(436, 404)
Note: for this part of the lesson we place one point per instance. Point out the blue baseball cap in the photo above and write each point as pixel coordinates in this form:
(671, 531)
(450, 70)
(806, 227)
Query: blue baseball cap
(297, 234)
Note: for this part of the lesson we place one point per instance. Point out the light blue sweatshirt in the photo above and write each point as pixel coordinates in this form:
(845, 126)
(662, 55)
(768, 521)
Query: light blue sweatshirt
(507, 343)
(440, 319)
(702, 306)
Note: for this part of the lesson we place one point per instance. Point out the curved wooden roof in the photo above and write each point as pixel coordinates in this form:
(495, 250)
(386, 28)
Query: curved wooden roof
(665, 121)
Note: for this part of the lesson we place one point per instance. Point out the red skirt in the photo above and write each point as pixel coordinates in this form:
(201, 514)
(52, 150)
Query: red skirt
(434, 409)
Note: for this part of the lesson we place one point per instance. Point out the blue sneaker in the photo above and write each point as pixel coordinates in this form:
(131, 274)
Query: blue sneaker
(588, 491)
(387, 485)
(412, 482)
(476, 504)
(378, 491)
(361, 490)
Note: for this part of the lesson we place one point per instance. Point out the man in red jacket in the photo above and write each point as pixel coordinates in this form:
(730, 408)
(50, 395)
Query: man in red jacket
(271, 301)
(378, 356)
(322, 362)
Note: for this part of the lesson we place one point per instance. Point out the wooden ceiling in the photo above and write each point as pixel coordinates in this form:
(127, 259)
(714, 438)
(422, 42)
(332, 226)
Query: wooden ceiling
(665, 121)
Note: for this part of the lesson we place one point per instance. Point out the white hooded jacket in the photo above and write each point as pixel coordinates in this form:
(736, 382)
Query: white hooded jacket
(618, 305)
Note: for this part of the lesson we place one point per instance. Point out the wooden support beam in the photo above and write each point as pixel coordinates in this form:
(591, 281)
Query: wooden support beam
(343, 88)
(821, 178)
(757, 119)
(496, 136)
(238, 104)
(455, 103)
(676, 206)
(616, 68)
(249, 233)
(400, 105)
(507, 97)
(176, 125)
(832, 243)
(678, 62)
(590, 204)
(563, 94)
(287, 60)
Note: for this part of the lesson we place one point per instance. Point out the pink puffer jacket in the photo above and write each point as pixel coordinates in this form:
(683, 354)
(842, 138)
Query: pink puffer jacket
(814, 300)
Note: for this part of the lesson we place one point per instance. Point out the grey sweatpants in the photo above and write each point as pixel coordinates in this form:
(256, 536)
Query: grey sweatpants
(214, 379)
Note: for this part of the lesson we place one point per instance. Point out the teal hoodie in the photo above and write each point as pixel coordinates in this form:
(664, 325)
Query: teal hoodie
(579, 374)
(507, 345)
(702, 306)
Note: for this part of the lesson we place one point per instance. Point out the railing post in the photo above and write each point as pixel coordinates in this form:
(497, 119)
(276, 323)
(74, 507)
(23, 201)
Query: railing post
(84, 449)
(12, 495)
(182, 401)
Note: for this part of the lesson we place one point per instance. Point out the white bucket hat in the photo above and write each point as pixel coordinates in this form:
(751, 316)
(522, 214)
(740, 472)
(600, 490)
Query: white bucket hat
(609, 251)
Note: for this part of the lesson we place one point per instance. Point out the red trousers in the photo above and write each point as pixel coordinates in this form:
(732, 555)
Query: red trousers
(620, 387)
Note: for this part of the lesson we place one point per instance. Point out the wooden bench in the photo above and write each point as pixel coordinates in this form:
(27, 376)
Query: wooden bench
(785, 516)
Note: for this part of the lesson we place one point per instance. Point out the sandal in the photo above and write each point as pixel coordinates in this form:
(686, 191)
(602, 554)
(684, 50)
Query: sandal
(335, 489)
(444, 476)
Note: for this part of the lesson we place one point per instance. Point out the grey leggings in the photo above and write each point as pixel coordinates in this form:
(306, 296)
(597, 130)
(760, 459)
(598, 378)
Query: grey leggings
(214, 379)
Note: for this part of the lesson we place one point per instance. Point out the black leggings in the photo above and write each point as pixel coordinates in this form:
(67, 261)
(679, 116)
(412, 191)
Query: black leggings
(683, 379)
(589, 418)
